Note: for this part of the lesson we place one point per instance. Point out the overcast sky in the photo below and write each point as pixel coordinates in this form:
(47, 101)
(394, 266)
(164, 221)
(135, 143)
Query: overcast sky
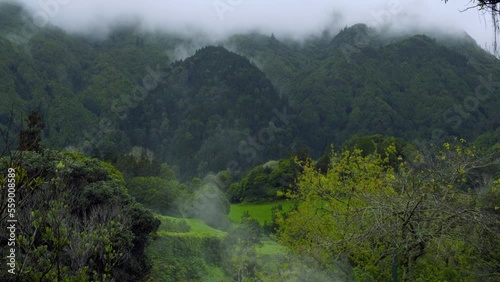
(283, 17)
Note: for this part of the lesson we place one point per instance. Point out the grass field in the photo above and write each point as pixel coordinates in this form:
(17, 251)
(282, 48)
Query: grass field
(271, 248)
(197, 226)
(171, 252)
(164, 251)
(261, 211)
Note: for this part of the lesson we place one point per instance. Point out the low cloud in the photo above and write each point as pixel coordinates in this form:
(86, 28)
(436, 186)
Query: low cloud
(216, 19)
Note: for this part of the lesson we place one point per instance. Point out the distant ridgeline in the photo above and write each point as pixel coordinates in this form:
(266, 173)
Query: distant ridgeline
(217, 109)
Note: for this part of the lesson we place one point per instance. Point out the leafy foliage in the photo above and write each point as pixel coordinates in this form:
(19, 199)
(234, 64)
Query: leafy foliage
(266, 182)
(375, 218)
(75, 220)
(379, 204)
(156, 193)
(240, 257)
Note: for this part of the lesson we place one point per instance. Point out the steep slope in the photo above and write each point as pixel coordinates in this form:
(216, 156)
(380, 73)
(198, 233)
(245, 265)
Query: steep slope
(208, 111)
(218, 109)
(364, 82)
(104, 97)
(411, 88)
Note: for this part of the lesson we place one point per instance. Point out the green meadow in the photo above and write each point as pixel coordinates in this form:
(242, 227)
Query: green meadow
(180, 255)
(197, 226)
(260, 211)
(175, 254)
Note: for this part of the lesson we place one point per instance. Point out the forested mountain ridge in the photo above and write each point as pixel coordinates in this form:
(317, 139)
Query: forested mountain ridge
(202, 106)
(213, 105)
(209, 107)
(415, 87)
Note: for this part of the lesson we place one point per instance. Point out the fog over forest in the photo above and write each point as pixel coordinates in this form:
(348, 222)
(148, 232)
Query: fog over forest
(215, 19)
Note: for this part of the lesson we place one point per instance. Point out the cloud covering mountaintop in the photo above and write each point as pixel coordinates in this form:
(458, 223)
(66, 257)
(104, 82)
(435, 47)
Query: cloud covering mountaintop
(216, 19)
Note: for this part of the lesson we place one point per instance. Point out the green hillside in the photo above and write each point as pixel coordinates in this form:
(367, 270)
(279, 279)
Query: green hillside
(224, 110)
(146, 156)
(360, 82)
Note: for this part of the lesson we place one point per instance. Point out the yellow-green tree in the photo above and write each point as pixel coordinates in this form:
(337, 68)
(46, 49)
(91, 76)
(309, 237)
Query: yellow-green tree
(415, 222)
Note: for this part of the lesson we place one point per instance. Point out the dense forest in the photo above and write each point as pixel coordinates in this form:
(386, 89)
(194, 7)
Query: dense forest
(143, 156)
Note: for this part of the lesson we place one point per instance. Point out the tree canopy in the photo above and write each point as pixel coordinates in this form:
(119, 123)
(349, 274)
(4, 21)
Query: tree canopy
(426, 220)
(75, 220)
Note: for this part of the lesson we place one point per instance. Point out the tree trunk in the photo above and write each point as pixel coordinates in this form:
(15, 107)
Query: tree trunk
(408, 267)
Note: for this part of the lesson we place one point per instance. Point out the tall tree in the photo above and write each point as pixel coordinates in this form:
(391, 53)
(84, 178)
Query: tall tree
(30, 138)
(422, 220)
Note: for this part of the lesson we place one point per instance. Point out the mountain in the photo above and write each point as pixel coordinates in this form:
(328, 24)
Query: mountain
(362, 82)
(210, 110)
(264, 99)
(104, 97)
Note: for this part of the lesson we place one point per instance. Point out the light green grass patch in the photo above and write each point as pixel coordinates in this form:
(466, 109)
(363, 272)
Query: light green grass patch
(215, 274)
(197, 226)
(271, 248)
(260, 211)
(172, 253)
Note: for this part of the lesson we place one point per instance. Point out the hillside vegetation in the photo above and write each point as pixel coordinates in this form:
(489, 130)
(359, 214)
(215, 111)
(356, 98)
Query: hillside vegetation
(106, 97)
(356, 156)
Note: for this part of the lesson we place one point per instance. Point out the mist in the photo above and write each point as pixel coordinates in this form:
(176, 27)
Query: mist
(213, 20)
